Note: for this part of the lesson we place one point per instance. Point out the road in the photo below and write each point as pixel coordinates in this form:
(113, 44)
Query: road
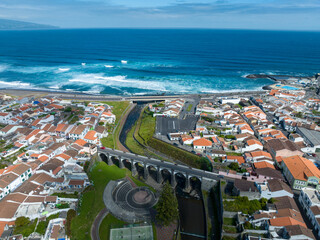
(102, 97)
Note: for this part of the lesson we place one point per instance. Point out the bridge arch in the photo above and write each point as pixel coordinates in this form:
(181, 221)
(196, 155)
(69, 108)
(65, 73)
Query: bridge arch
(104, 158)
(182, 180)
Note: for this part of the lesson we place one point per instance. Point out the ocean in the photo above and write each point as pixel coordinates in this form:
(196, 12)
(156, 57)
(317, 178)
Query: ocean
(147, 61)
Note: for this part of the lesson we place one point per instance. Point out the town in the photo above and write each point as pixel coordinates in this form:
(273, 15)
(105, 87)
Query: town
(260, 154)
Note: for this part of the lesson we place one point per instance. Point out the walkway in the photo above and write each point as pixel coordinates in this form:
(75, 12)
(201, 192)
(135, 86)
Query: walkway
(96, 224)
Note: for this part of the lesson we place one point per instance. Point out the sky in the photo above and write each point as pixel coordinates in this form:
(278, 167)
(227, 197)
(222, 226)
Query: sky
(234, 14)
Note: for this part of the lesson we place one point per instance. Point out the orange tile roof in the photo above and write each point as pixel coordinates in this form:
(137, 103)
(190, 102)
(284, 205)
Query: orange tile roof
(253, 141)
(263, 164)
(60, 127)
(286, 221)
(91, 135)
(202, 142)
(64, 156)
(35, 122)
(279, 159)
(3, 224)
(267, 138)
(301, 168)
(80, 142)
(261, 153)
(43, 158)
(34, 132)
(22, 154)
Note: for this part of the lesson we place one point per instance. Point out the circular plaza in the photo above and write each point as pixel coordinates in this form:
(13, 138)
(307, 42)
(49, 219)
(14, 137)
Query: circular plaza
(128, 202)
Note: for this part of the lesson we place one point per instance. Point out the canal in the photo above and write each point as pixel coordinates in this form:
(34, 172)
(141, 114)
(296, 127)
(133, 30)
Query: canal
(130, 121)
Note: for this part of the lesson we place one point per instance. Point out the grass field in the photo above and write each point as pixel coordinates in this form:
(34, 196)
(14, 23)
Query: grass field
(118, 109)
(132, 143)
(65, 195)
(147, 127)
(92, 202)
(174, 152)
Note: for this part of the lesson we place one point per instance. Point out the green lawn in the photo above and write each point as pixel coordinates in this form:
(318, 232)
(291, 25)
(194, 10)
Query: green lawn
(189, 107)
(26, 229)
(154, 229)
(147, 127)
(243, 204)
(230, 229)
(109, 222)
(174, 152)
(132, 143)
(118, 110)
(229, 221)
(65, 195)
(92, 202)
(108, 141)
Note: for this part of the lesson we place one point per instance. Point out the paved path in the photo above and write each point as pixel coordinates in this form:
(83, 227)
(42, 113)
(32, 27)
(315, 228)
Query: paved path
(96, 224)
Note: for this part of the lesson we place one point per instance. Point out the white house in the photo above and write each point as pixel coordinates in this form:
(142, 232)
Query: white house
(9, 129)
(4, 117)
(274, 188)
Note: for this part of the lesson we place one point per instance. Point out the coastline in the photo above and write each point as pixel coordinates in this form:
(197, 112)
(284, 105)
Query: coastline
(19, 92)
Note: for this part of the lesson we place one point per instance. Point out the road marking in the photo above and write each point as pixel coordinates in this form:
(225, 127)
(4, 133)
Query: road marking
(174, 126)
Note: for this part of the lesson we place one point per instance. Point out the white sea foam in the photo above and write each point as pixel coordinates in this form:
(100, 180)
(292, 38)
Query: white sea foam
(124, 61)
(30, 70)
(54, 87)
(64, 69)
(108, 66)
(118, 81)
(3, 67)
(14, 84)
(83, 64)
(95, 89)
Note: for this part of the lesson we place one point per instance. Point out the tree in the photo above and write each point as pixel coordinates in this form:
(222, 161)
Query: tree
(234, 166)
(167, 207)
(86, 166)
(22, 221)
(68, 109)
(205, 164)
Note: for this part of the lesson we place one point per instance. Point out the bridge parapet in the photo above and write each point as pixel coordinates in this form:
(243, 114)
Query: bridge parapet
(146, 162)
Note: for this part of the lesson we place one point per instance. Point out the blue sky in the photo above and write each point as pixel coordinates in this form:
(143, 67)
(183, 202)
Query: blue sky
(239, 14)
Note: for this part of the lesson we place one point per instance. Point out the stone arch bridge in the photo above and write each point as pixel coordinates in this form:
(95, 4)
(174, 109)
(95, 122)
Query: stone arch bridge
(173, 170)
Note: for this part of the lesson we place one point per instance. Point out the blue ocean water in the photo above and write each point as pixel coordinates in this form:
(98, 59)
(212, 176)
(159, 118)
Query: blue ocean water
(154, 61)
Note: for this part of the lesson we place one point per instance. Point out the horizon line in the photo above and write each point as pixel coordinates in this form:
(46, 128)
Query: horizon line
(160, 28)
